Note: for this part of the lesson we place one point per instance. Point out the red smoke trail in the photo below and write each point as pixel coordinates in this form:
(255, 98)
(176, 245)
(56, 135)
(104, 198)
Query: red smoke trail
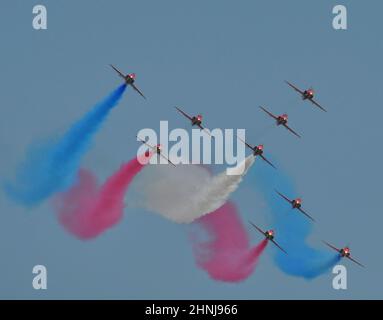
(226, 255)
(87, 210)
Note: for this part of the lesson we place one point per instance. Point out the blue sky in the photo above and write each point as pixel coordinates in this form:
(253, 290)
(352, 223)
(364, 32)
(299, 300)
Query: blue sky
(219, 58)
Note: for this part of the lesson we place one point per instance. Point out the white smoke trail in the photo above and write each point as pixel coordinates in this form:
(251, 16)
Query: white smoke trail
(185, 192)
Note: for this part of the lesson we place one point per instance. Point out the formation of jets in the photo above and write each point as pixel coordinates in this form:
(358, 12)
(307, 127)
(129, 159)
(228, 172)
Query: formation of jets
(282, 120)
(257, 150)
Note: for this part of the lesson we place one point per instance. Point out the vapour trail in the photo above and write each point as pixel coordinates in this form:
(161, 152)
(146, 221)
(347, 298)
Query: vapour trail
(186, 192)
(224, 252)
(52, 167)
(87, 210)
(292, 228)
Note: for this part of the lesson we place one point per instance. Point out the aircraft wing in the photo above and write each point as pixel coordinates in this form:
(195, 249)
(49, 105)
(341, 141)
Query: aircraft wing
(358, 263)
(269, 113)
(291, 130)
(278, 246)
(283, 196)
(184, 114)
(264, 159)
(248, 145)
(137, 90)
(205, 130)
(294, 87)
(306, 214)
(318, 105)
(259, 229)
(167, 159)
(118, 71)
(331, 246)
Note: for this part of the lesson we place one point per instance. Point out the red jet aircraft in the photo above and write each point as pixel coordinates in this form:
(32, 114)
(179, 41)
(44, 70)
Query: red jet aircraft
(129, 79)
(257, 151)
(157, 149)
(307, 94)
(195, 120)
(269, 235)
(281, 120)
(344, 253)
(296, 204)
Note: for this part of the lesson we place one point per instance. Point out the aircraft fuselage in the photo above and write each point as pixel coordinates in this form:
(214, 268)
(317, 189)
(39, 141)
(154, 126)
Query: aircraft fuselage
(269, 236)
(307, 95)
(129, 80)
(196, 122)
(343, 253)
(296, 204)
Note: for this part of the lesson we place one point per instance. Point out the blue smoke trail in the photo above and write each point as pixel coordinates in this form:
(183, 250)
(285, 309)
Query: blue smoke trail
(52, 167)
(292, 228)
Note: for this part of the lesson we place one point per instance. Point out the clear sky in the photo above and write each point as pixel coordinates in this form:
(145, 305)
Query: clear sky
(219, 58)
